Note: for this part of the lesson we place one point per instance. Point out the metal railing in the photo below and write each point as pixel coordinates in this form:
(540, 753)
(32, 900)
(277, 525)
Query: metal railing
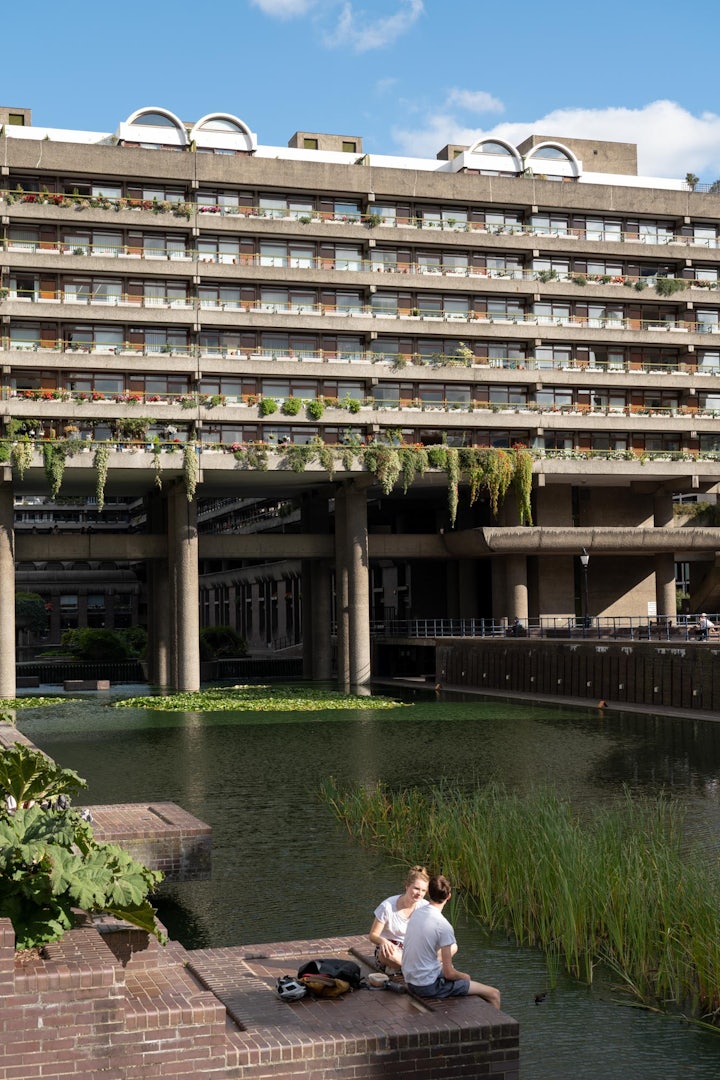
(627, 627)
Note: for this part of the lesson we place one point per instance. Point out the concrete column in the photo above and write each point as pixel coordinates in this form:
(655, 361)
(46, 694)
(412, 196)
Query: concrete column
(359, 586)
(662, 510)
(7, 591)
(342, 595)
(183, 559)
(516, 587)
(160, 621)
(319, 628)
(665, 588)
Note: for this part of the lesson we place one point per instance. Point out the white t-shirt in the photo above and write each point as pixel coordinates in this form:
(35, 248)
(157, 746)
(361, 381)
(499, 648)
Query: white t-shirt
(428, 932)
(396, 922)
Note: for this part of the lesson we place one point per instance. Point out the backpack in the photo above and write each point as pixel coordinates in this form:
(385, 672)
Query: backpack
(344, 971)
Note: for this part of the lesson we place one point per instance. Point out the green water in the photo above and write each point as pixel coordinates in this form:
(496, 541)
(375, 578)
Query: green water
(283, 868)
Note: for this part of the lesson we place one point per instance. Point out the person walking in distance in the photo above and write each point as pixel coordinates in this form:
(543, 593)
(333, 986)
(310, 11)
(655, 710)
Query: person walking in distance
(427, 956)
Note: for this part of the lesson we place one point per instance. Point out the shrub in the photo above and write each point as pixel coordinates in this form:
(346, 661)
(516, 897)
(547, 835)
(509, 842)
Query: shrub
(50, 862)
(291, 406)
(220, 642)
(268, 406)
(95, 645)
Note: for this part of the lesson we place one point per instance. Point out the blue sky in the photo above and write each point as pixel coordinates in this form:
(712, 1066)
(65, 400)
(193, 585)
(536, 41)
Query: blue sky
(408, 76)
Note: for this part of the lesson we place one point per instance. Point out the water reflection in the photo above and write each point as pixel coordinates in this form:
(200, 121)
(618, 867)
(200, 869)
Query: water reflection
(283, 868)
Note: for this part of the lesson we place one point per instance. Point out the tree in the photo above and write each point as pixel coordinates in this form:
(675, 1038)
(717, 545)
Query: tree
(31, 612)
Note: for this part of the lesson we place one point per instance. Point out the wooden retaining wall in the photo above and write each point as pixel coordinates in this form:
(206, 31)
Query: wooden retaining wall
(664, 676)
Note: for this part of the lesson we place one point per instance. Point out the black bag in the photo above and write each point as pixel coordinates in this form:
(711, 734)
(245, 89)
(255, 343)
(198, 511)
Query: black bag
(346, 970)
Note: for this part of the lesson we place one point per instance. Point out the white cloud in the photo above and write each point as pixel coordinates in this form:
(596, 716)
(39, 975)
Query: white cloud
(671, 141)
(361, 32)
(478, 101)
(284, 9)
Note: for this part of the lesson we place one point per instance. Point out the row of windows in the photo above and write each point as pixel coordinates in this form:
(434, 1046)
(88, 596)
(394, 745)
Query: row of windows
(594, 227)
(352, 347)
(301, 299)
(308, 255)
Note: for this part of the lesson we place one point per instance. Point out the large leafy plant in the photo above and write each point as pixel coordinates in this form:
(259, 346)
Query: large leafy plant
(50, 862)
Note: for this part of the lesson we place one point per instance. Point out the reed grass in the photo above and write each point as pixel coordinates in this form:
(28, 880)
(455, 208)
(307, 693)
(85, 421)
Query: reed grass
(615, 886)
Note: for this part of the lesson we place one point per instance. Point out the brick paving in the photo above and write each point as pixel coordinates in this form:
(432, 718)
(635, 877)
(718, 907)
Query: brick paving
(365, 1033)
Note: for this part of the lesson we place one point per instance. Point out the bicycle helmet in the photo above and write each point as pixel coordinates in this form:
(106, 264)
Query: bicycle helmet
(289, 989)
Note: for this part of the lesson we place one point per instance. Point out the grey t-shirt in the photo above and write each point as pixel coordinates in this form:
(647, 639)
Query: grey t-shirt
(428, 931)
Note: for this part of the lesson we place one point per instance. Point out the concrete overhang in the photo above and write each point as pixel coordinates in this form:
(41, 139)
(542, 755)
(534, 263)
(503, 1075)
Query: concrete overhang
(570, 541)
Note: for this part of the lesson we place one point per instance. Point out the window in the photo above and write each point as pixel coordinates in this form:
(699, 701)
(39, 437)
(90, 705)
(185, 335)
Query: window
(224, 297)
(655, 232)
(286, 206)
(603, 229)
(349, 147)
(348, 258)
(491, 147)
(154, 119)
(346, 209)
(550, 224)
(508, 395)
(386, 212)
(16, 119)
(554, 397)
(383, 261)
(705, 235)
(553, 313)
(310, 144)
(279, 253)
(384, 303)
(707, 321)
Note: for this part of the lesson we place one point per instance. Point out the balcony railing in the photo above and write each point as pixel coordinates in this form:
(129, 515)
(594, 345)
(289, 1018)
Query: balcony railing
(658, 237)
(355, 265)
(395, 361)
(626, 628)
(365, 311)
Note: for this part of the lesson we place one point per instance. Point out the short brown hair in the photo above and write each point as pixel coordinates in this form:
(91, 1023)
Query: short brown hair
(439, 888)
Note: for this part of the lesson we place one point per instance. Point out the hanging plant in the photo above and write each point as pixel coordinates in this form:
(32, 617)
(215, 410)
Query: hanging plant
(298, 457)
(190, 469)
(21, 455)
(157, 463)
(453, 475)
(522, 482)
(325, 456)
(54, 462)
(413, 462)
(254, 456)
(437, 457)
(349, 455)
(472, 464)
(499, 470)
(100, 461)
(384, 463)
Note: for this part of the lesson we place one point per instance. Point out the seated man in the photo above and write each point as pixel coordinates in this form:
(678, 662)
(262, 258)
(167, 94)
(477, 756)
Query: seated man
(427, 959)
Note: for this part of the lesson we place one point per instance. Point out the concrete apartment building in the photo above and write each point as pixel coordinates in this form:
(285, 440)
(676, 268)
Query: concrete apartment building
(172, 285)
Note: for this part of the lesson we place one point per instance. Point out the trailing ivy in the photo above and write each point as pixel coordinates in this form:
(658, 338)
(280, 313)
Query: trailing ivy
(21, 455)
(413, 462)
(384, 463)
(101, 460)
(522, 483)
(326, 456)
(499, 470)
(453, 476)
(254, 456)
(54, 462)
(298, 457)
(191, 469)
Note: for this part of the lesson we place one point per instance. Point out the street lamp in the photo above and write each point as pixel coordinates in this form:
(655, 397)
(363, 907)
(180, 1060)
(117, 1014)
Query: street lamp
(585, 562)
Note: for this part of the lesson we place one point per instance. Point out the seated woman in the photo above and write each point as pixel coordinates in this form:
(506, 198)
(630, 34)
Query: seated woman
(387, 932)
